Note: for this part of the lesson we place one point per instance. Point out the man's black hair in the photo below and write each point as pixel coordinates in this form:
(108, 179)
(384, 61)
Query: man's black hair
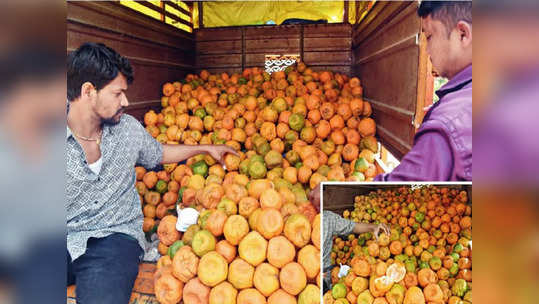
(95, 63)
(448, 12)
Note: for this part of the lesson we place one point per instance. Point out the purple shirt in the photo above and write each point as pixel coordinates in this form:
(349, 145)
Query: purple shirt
(506, 133)
(442, 148)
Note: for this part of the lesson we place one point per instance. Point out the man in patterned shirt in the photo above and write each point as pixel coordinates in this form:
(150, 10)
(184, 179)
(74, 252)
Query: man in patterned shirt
(335, 225)
(105, 241)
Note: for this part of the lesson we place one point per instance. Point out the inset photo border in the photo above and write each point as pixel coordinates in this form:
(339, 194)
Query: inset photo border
(388, 237)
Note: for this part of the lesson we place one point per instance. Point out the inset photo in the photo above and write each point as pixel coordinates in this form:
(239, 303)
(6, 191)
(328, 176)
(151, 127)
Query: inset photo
(397, 243)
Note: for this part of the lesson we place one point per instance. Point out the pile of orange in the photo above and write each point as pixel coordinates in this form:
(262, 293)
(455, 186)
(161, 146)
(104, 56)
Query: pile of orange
(430, 244)
(257, 239)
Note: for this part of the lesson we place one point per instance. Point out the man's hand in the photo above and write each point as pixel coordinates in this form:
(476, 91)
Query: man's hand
(178, 153)
(380, 228)
(218, 152)
(314, 197)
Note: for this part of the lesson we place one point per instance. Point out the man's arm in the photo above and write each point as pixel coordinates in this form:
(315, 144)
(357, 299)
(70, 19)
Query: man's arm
(374, 228)
(430, 159)
(178, 153)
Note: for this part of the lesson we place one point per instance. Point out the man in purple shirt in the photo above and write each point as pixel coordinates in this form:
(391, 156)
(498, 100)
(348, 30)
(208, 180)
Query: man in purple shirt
(442, 148)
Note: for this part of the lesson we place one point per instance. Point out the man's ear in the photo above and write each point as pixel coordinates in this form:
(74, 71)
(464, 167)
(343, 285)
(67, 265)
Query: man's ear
(87, 90)
(465, 32)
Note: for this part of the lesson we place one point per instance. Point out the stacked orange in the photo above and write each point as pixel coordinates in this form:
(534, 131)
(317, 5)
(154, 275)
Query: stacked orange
(429, 246)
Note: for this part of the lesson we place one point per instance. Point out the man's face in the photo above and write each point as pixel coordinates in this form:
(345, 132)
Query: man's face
(445, 47)
(111, 101)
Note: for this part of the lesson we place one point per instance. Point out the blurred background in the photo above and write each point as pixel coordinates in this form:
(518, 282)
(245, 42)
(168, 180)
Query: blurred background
(32, 126)
(32, 162)
(506, 148)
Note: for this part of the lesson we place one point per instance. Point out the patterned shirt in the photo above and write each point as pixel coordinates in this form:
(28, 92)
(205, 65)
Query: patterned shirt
(106, 203)
(334, 225)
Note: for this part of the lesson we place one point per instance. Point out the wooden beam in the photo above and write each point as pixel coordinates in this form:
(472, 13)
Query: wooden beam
(177, 7)
(356, 5)
(165, 13)
(345, 18)
(200, 15)
(425, 82)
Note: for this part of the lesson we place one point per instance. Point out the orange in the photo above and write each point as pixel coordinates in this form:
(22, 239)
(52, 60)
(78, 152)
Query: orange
(433, 293)
(426, 276)
(309, 258)
(291, 174)
(280, 251)
(327, 110)
(337, 122)
(140, 171)
(212, 269)
(367, 127)
(150, 118)
(323, 129)
(235, 228)
(270, 223)
(150, 179)
(315, 236)
(185, 264)
(166, 231)
(337, 136)
(293, 278)
(170, 198)
(367, 109)
(149, 211)
(266, 279)
(247, 205)
(298, 230)
(168, 289)
(227, 250)
(194, 292)
(250, 296)
(270, 199)
(304, 173)
(360, 267)
(350, 152)
(148, 224)
(344, 110)
(252, 248)
(353, 137)
(216, 222)
(240, 274)
(281, 297)
(224, 293)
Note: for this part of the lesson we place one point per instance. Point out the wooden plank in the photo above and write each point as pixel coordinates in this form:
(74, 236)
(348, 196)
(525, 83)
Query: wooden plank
(387, 40)
(286, 45)
(272, 32)
(219, 70)
(327, 43)
(380, 14)
(328, 58)
(343, 69)
(422, 79)
(216, 34)
(403, 25)
(219, 47)
(123, 20)
(200, 14)
(232, 60)
(407, 42)
(328, 30)
(77, 34)
(255, 59)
